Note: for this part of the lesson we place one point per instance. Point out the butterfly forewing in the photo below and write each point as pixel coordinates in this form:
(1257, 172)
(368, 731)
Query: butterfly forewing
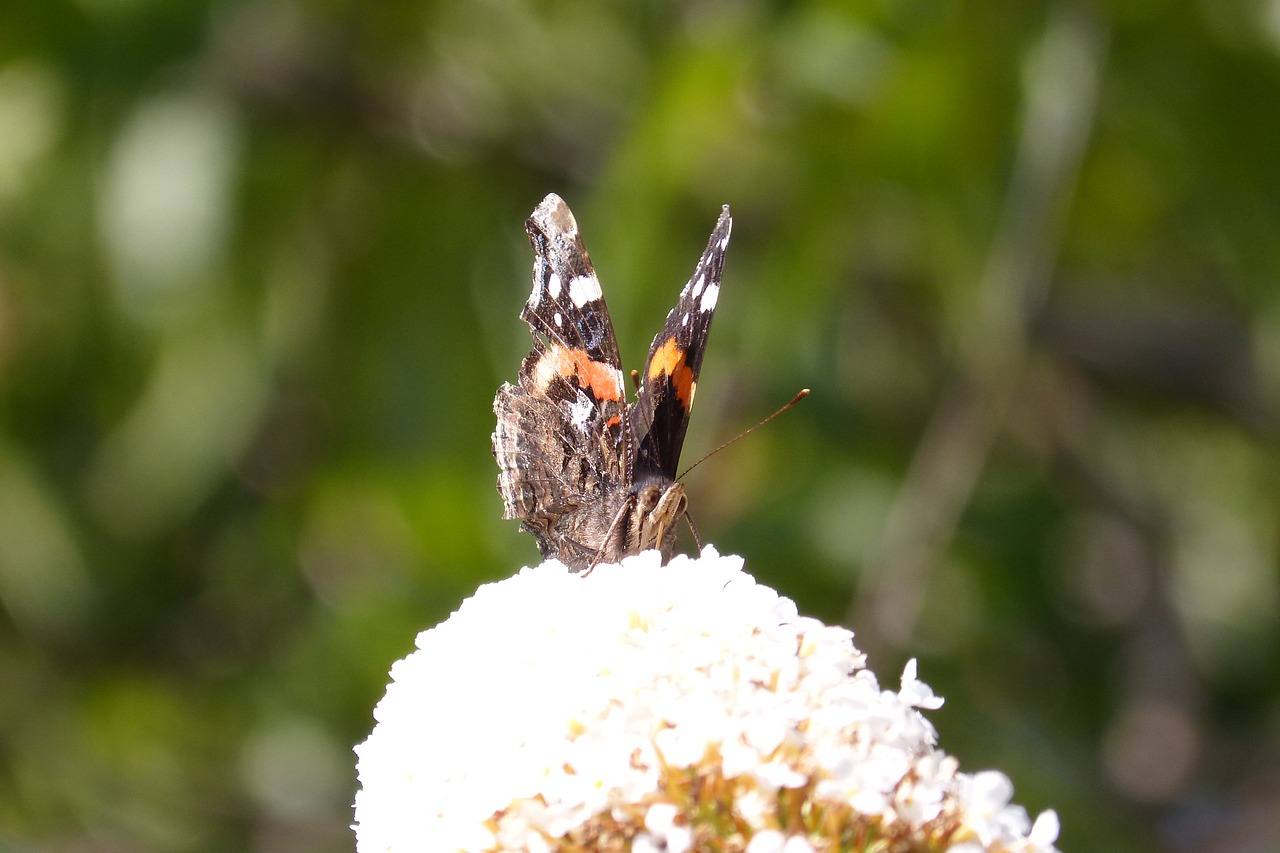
(669, 382)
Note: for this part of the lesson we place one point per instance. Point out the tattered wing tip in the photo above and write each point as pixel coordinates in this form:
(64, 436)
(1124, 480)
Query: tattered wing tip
(719, 240)
(552, 217)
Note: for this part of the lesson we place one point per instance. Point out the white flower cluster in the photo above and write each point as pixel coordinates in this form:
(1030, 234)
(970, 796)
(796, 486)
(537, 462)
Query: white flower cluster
(651, 708)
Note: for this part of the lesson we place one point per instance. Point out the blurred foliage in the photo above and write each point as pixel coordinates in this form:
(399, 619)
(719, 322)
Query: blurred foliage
(260, 270)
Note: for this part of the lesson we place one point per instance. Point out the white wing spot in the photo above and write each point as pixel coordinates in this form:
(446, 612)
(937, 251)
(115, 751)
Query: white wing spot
(580, 412)
(709, 297)
(584, 289)
(698, 284)
(559, 319)
(553, 286)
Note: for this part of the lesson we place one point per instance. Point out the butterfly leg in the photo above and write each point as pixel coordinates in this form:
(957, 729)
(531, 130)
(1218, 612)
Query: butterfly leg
(623, 512)
(697, 540)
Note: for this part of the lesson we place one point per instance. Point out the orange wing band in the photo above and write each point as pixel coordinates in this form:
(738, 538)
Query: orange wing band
(670, 360)
(603, 380)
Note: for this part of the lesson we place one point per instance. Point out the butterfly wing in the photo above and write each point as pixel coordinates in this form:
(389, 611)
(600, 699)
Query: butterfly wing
(559, 441)
(660, 415)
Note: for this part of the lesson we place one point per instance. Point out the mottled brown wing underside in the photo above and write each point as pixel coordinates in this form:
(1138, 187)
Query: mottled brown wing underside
(549, 474)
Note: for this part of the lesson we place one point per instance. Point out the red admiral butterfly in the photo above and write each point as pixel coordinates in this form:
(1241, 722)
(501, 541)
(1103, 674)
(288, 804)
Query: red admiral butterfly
(592, 477)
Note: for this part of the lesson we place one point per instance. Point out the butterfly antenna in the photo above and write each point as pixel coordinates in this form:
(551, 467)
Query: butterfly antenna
(804, 392)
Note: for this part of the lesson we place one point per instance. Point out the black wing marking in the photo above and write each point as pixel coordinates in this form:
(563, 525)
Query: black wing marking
(660, 415)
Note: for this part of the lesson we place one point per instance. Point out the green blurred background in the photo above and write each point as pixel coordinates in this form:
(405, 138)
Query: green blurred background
(260, 271)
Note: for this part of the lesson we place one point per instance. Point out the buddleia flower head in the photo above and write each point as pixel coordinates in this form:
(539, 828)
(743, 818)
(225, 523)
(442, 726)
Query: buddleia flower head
(671, 708)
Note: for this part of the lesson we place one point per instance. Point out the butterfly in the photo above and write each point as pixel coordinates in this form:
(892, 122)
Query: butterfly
(591, 476)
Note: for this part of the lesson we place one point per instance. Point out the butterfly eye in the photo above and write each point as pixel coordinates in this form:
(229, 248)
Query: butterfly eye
(647, 499)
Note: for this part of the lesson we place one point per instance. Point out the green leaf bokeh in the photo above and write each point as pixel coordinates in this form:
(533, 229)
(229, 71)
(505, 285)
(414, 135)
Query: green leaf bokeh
(260, 271)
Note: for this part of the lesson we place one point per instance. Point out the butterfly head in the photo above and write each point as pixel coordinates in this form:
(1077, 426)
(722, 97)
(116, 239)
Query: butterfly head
(657, 503)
